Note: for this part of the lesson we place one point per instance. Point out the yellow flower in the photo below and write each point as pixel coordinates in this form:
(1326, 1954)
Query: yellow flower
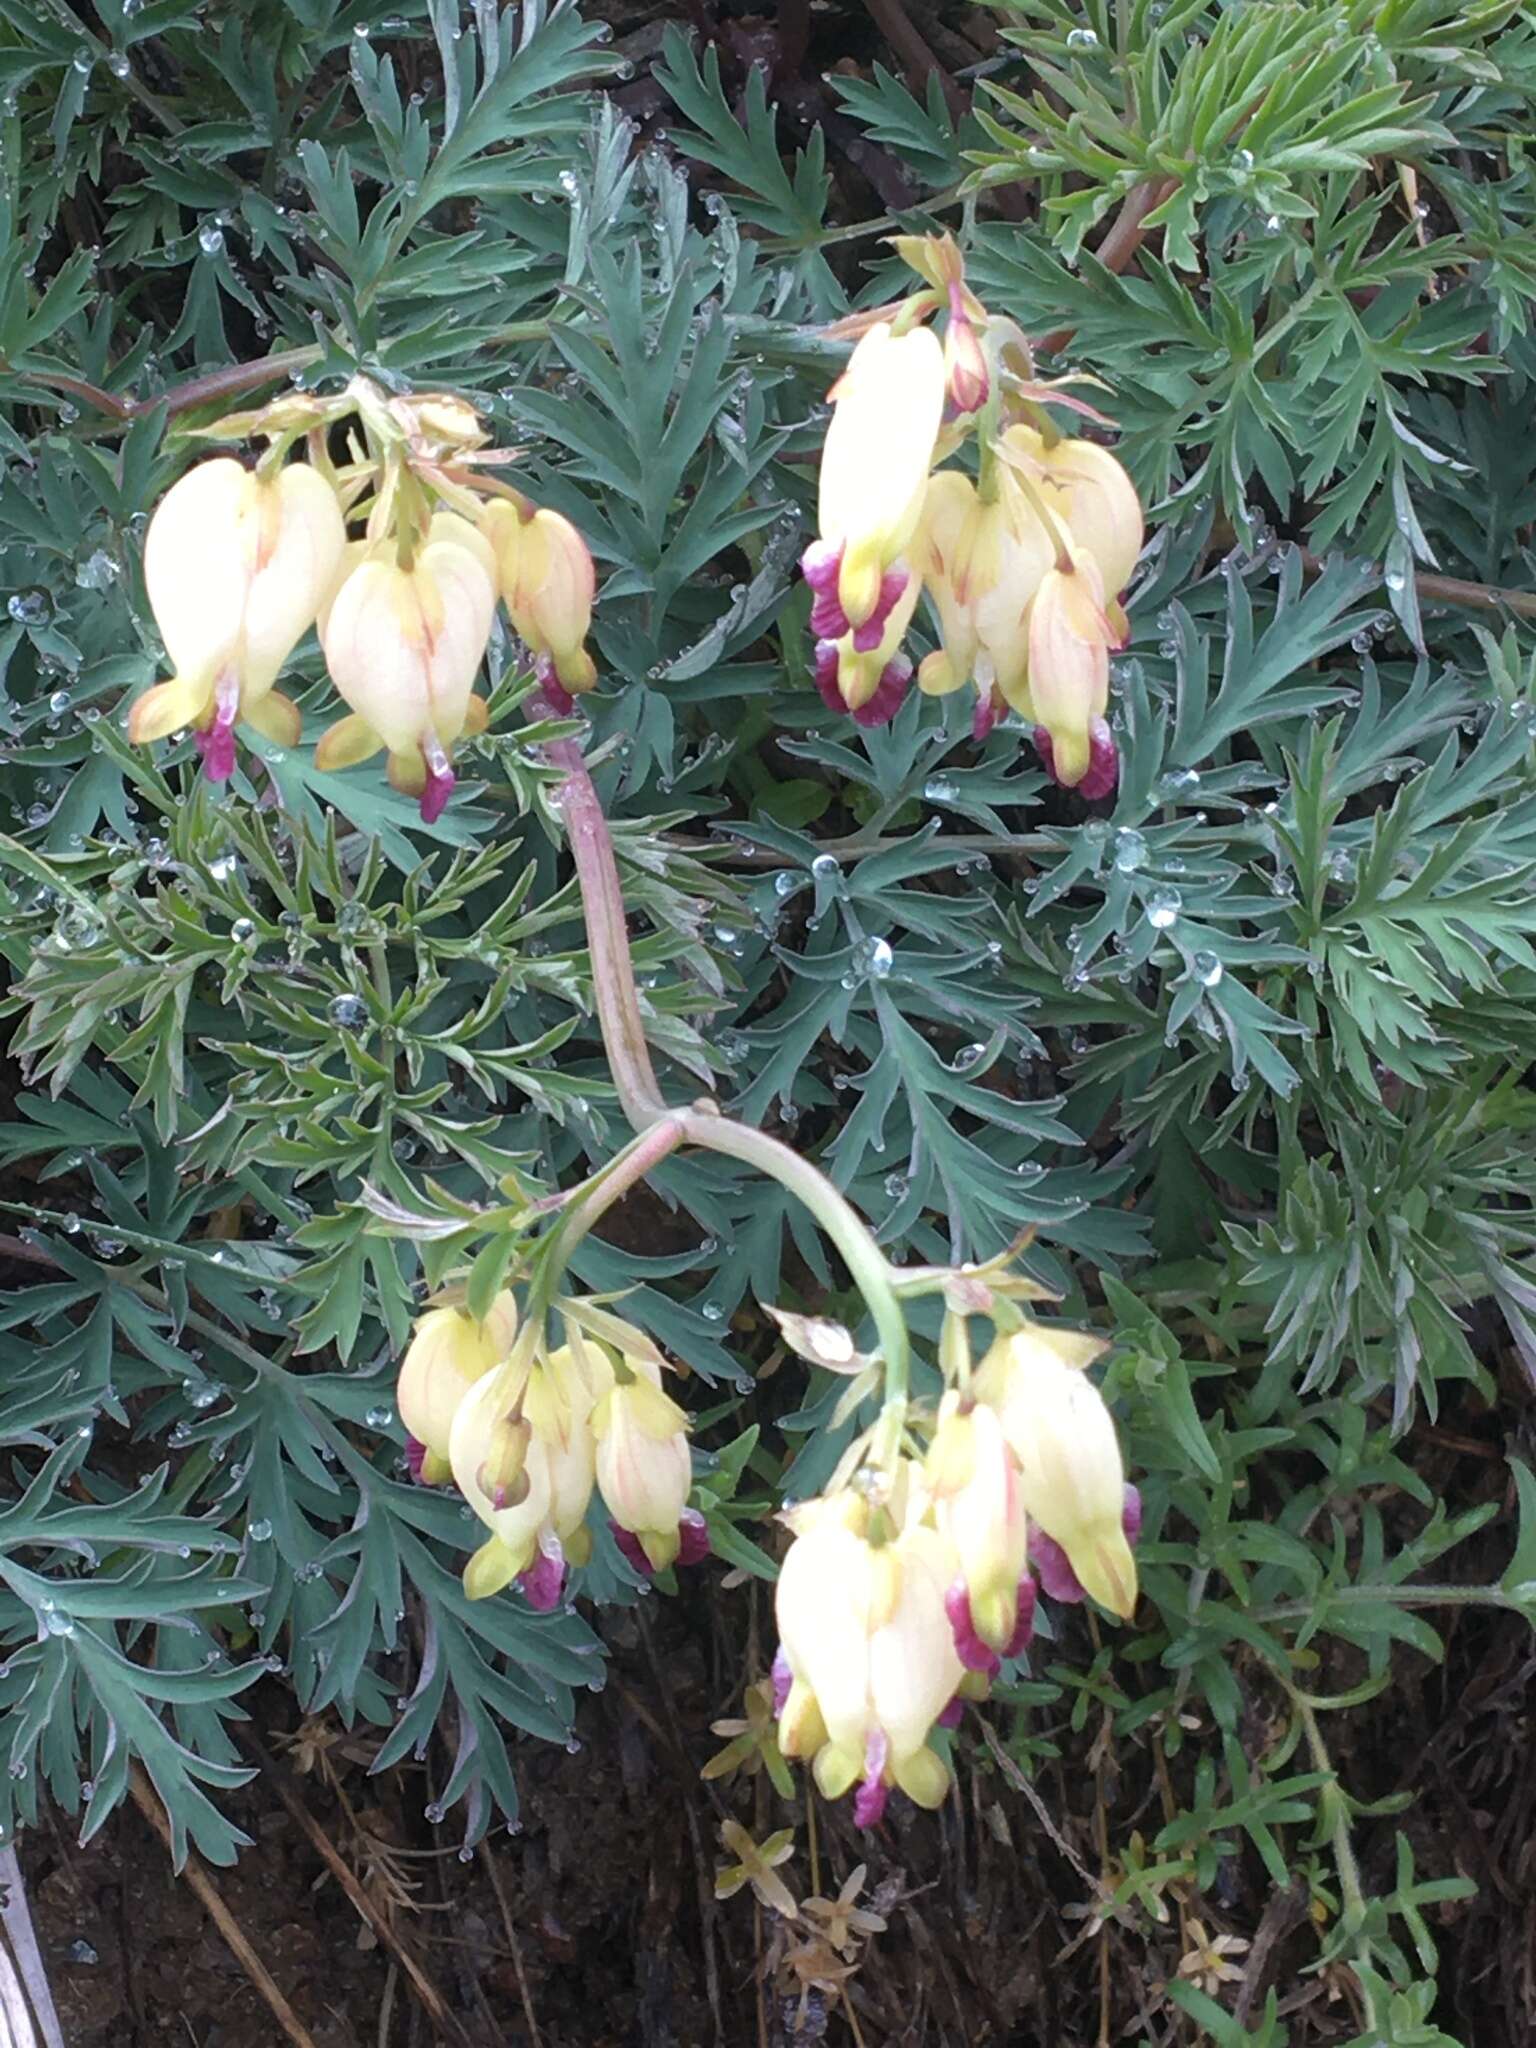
(1089, 491)
(448, 1353)
(236, 565)
(1069, 642)
(644, 1471)
(982, 563)
(522, 1453)
(978, 1505)
(1071, 1476)
(887, 409)
(867, 1649)
(403, 646)
(547, 583)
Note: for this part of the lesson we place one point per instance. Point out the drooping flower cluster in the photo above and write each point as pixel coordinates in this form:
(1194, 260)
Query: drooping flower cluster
(527, 1434)
(239, 564)
(1023, 563)
(905, 1589)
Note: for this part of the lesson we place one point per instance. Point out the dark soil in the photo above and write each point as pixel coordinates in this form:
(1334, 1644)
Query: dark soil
(620, 1943)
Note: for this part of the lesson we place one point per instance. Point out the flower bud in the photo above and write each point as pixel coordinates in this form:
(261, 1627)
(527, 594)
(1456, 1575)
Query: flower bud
(979, 1508)
(644, 1471)
(522, 1455)
(887, 409)
(1071, 1477)
(968, 380)
(547, 583)
(403, 647)
(448, 1353)
(235, 565)
(1069, 643)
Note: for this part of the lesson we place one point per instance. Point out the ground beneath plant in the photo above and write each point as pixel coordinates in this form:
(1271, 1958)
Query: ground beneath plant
(595, 1925)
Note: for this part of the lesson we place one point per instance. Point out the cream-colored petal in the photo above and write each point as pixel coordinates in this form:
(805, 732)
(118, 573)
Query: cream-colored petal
(347, 742)
(303, 540)
(198, 561)
(375, 648)
(880, 441)
(275, 717)
(465, 592)
(168, 707)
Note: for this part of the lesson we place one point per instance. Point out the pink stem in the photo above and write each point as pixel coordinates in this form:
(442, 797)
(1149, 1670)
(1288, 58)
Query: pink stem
(613, 974)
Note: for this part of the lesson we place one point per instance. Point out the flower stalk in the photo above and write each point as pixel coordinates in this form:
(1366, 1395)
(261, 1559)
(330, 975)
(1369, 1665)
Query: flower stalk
(701, 1125)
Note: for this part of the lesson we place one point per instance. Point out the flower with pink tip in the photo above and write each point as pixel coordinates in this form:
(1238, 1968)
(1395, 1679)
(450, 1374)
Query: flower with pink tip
(236, 565)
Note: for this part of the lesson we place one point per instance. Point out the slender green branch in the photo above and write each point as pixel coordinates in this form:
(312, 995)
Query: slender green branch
(1337, 1807)
(867, 1265)
(1406, 1596)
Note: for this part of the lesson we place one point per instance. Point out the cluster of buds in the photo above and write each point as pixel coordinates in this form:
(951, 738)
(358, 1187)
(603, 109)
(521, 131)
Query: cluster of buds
(398, 557)
(528, 1433)
(1023, 563)
(912, 1579)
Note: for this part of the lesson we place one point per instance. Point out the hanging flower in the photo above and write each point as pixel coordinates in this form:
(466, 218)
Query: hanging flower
(887, 410)
(1071, 1476)
(448, 1353)
(522, 1453)
(979, 1507)
(865, 671)
(403, 645)
(644, 1471)
(1069, 641)
(869, 1661)
(236, 564)
(982, 564)
(547, 581)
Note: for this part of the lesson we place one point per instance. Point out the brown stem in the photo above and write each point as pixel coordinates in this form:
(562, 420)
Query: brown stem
(229, 382)
(1125, 237)
(890, 17)
(1479, 597)
(357, 1892)
(613, 974)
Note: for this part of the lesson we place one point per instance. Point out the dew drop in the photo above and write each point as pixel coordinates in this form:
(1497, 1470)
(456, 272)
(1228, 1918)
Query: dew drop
(1163, 907)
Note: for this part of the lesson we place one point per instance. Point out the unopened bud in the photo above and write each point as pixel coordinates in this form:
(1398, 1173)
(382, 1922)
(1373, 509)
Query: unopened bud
(967, 377)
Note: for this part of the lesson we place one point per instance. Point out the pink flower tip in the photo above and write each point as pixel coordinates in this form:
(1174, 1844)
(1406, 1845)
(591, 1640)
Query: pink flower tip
(949, 1716)
(544, 1582)
(984, 715)
(867, 638)
(693, 1544)
(217, 747)
(1103, 770)
(631, 1551)
(891, 689)
(415, 1458)
(869, 1800)
(1024, 1619)
(973, 1653)
(819, 565)
(435, 794)
(783, 1679)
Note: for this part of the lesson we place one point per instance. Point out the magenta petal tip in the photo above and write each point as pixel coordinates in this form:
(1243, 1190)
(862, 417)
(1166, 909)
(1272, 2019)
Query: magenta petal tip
(435, 795)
